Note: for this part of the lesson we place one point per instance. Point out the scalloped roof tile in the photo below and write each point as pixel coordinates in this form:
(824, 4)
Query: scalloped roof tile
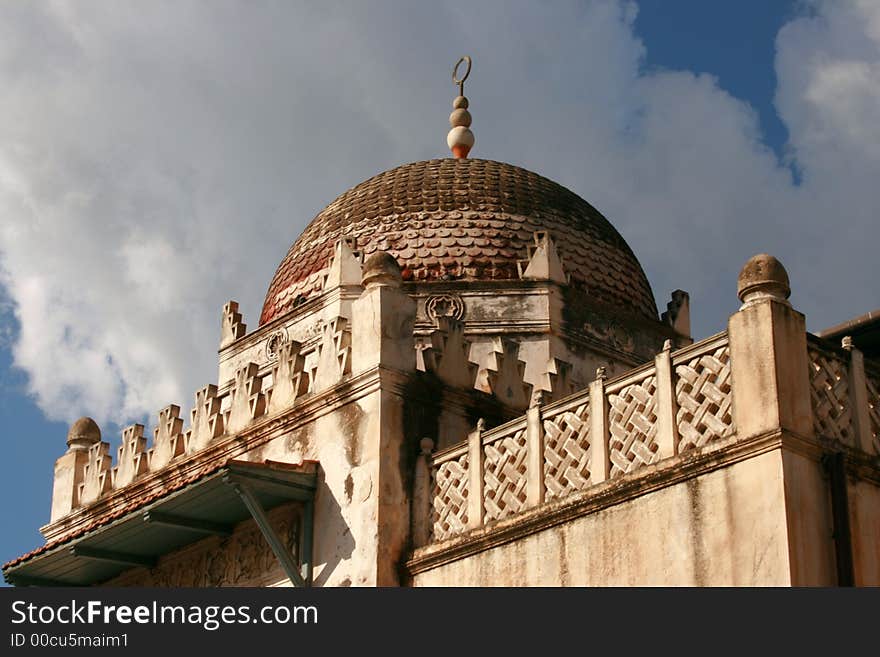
(472, 218)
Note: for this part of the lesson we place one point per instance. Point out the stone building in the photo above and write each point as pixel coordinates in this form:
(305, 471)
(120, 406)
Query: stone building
(460, 377)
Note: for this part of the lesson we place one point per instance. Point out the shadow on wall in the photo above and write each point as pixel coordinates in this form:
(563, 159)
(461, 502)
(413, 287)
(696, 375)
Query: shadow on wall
(333, 539)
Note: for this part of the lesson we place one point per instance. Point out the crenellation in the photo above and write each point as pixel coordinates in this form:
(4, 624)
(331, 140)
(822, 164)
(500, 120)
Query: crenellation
(447, 357)
(678, 313)
(247, 401)
(505, 374)
(97, 477)
(168, 440)
(206, 420)
(290, 381)
(334, 354)
(131, 461)
(544, 263)
(231, 325)
(345, 265)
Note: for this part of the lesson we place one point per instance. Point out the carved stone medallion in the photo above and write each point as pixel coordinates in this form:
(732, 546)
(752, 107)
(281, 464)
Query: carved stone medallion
(274, 341)
(444, 305)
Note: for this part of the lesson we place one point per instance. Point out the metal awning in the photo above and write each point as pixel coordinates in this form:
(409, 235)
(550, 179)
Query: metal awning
(212, 504)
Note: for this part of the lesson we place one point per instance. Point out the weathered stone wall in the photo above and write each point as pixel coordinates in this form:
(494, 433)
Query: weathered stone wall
(864, 501)
(726, 527)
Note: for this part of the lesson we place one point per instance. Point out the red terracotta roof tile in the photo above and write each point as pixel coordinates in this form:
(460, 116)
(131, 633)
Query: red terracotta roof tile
(475, 216)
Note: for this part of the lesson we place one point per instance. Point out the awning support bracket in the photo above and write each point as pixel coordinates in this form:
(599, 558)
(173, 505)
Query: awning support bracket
(283, 555)
(112, 556)
(189, 524)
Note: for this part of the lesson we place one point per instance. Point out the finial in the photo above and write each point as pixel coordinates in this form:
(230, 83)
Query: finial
(83, 434)
(460, 139)
(763, 277)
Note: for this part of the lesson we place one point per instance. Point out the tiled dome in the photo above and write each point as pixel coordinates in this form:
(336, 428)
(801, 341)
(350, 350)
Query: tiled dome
(464, 219)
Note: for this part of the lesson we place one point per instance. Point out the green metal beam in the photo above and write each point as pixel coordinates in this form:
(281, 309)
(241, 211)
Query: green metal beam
(305, 547)
(190, 524)
(28, 580)
(285, 490)
(112, 556)
(259, 515)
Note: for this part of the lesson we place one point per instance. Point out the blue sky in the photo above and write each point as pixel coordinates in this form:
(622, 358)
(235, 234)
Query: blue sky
(152, 167)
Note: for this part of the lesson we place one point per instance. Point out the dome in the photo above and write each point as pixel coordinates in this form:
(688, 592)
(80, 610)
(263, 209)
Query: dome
(464, 220)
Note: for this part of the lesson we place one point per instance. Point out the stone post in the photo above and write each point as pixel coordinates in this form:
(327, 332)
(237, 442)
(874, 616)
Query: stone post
(771, 398)
(382, 319)
(70, 468)
(382, 358)
(768, 354)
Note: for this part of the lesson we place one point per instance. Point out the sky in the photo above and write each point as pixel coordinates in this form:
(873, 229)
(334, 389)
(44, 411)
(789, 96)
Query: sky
(158, 159)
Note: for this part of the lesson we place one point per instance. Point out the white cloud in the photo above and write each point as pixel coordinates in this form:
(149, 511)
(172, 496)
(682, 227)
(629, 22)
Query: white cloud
(158, 160)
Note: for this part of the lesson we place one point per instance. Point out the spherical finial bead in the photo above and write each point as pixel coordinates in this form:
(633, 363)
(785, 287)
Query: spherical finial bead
(460, 140)
(763, 276)
(427, 446)
(83, 433)
(460, 117)
(460, 102)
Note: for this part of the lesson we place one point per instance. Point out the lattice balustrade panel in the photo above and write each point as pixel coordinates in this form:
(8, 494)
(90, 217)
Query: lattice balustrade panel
(449, 491)
(702, 393)
(567, 452)
(874, 411)
(632, 425)
(504, 476)
(829, 394)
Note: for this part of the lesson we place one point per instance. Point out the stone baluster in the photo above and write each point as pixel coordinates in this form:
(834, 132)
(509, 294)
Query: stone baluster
(475, 475)
(858, 397)
(535, 447)
(667, 426)
(599, 461)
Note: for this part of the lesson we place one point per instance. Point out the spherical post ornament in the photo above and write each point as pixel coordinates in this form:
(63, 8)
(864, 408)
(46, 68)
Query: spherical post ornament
(460, 139)
(763, 277)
